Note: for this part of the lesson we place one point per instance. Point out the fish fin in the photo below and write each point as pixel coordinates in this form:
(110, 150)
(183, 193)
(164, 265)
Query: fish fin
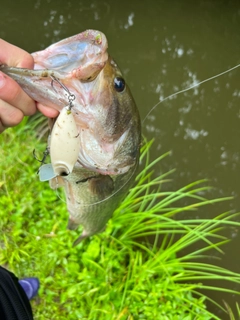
(72, 225)
(83, 236)
(56, 182)
(102, 186)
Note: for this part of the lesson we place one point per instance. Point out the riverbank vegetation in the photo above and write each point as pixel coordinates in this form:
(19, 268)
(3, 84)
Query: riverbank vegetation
(135, 269)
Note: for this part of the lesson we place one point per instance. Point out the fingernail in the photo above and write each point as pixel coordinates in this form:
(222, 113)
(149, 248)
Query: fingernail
(2, 80)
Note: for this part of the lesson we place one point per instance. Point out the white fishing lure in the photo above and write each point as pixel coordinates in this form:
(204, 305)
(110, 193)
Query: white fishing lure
(64, 143)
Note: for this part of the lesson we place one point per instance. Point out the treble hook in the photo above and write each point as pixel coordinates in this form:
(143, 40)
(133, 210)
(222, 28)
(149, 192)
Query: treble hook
(71, 96)
(45, 154)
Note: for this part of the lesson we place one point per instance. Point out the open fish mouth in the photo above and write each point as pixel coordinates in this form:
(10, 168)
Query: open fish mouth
(80, 57)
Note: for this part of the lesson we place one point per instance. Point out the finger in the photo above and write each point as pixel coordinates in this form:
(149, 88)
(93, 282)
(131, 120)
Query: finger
(12, 93)
(9, 116)
(47, 111)
(18, 57)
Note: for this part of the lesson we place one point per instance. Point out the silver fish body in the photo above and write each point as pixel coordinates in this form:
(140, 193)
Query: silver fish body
(107, 121)
(92, 198)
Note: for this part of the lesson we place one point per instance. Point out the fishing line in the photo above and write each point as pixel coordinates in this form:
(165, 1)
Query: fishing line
(189, 88)
(152, 109)
(58, 195)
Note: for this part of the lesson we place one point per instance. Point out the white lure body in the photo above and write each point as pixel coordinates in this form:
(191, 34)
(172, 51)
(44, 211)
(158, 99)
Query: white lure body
(64, 143)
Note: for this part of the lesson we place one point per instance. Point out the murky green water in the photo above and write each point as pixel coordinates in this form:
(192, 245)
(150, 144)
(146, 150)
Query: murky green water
(163, 47)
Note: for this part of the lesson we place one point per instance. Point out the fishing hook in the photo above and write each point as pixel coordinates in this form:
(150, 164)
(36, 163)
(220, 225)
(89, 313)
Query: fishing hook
(71, 96)
(45, 154)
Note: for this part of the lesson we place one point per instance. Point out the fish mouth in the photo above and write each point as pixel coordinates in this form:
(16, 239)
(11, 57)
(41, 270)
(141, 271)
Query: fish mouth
(86, 49)
(79, 58)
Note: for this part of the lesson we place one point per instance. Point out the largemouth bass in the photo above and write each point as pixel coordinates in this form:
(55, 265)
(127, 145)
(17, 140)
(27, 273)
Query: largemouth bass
(106, 119)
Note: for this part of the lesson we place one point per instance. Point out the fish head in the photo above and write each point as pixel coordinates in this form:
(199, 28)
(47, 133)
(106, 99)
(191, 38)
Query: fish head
(80, 69)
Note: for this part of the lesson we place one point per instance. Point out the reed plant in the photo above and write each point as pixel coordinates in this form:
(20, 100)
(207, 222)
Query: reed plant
(135, 269)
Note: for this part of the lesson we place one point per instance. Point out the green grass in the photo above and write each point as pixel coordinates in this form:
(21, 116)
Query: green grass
(119, 274)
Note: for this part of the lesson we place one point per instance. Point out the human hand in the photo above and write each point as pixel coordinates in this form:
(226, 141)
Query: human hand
(14, 102)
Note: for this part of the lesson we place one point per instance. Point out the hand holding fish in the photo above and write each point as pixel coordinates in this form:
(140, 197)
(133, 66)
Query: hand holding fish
(14, 102)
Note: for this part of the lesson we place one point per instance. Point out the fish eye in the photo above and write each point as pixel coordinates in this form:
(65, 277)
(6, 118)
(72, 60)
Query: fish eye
(119, 84)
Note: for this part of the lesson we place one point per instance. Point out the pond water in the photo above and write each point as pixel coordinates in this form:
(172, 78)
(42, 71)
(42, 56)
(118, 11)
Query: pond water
(163, 47)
